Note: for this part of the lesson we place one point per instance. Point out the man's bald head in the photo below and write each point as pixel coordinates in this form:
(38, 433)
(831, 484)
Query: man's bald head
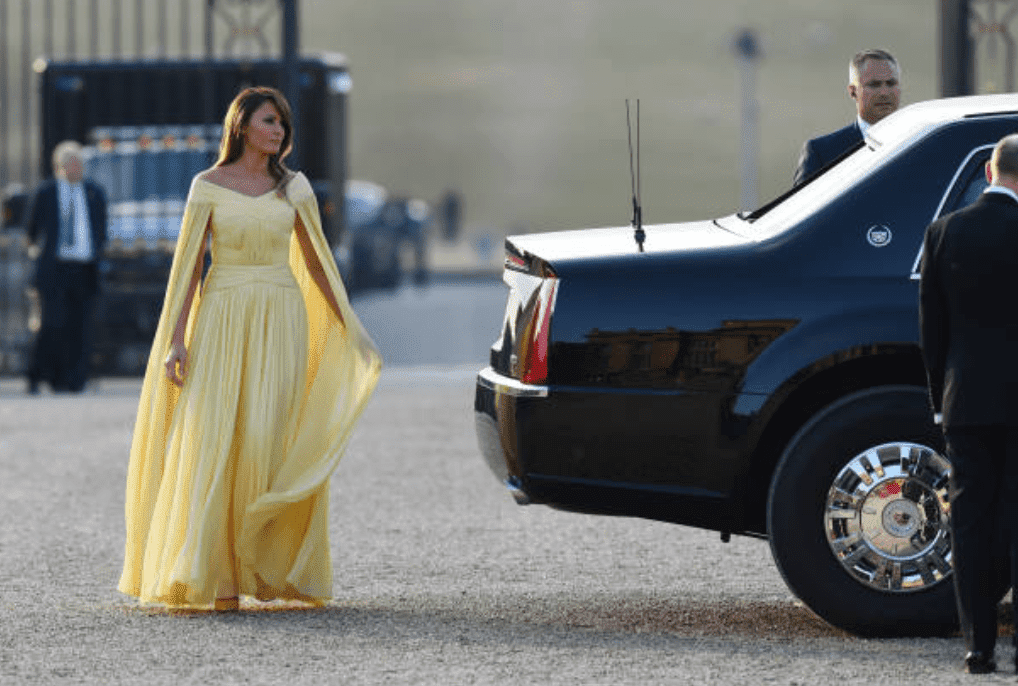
(1004, 161)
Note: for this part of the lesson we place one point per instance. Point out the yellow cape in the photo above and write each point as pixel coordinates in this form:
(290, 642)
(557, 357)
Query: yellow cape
(343, 368)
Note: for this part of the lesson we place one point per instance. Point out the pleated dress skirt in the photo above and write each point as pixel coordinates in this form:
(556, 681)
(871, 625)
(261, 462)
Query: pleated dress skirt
(233, 425)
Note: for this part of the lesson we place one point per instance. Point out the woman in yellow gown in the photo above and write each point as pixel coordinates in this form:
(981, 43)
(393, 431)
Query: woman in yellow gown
(255, 379)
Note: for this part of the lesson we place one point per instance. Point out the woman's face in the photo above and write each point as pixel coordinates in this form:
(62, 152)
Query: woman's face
(265, 130)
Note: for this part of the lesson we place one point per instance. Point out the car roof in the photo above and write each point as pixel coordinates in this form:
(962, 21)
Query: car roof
(916, 120)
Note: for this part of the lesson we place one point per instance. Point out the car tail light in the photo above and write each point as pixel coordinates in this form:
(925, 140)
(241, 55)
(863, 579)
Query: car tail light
(535, 354)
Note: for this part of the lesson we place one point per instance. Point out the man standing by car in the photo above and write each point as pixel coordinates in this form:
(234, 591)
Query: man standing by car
(968, 339)
(874, 83)
(68, 216)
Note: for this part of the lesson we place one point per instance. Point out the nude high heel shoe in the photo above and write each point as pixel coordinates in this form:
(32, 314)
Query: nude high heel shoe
(227, 604)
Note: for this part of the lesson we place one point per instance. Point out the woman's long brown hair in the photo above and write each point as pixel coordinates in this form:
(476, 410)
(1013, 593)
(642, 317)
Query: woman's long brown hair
(231, 146)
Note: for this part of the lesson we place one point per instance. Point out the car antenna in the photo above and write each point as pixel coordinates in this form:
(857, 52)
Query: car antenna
(634, 176)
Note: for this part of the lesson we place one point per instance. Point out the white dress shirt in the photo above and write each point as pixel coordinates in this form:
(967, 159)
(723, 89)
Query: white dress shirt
(71, 203)
(1002, 189)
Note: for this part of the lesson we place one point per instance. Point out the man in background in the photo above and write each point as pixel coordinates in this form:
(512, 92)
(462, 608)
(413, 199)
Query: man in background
(968, 337)
(874, 82)
(68, 218)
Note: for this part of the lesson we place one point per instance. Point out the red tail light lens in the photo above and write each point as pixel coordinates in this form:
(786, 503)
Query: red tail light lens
(535, 361)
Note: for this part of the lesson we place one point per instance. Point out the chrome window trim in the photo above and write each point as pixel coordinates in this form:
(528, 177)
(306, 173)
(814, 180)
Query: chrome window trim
(503, 385)
(915, 276)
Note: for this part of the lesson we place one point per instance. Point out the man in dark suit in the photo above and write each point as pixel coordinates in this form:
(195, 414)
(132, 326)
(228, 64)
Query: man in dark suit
(68, 218)
(969, 340)
(874, 83)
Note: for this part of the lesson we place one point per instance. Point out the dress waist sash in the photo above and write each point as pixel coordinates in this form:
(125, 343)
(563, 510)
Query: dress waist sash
(224, 276)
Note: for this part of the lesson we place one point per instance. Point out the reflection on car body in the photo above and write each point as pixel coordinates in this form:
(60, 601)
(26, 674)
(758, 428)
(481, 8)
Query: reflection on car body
(758, 374)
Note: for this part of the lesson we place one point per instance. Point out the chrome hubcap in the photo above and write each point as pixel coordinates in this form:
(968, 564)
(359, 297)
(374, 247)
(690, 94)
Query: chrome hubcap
(887, 518)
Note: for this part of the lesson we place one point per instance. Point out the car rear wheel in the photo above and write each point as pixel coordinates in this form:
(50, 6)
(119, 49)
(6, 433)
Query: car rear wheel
(858, 516)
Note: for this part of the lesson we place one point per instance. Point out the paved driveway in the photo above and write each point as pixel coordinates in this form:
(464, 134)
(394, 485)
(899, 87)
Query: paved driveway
(439, 577)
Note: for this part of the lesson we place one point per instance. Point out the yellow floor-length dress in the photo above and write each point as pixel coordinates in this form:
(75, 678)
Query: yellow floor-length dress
(228, 478)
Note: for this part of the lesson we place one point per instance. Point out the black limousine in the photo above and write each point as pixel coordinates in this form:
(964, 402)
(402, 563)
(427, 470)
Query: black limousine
(758, 374)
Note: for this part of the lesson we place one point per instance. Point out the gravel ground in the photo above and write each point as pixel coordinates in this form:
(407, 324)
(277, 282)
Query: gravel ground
(439, 577)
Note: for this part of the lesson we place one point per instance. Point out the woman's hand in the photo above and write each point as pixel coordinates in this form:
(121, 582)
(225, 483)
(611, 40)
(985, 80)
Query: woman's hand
(176, 363)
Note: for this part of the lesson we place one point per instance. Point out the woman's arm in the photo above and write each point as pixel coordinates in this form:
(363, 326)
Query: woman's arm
(176, 360)
(315, 267)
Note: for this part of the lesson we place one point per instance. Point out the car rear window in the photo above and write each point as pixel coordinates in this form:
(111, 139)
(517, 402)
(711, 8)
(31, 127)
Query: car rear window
(808, 198)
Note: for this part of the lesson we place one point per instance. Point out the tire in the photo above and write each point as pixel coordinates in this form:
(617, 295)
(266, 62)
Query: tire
(872, 558)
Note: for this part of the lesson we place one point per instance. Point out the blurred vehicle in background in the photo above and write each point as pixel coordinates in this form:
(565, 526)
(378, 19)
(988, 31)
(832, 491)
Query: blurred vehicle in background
(148, 127)
(384, 244)
(146, 172)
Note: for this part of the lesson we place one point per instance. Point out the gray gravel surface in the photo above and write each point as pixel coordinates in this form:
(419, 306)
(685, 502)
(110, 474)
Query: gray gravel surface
(439, 577)
(452, 321)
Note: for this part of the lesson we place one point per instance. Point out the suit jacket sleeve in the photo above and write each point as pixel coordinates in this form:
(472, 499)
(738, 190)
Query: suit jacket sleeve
(808, 163)
(933, 317)
(36, 223)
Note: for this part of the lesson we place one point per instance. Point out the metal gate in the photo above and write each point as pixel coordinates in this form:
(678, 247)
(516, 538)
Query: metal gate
(992, 27)
(33, 32)
(977, 46)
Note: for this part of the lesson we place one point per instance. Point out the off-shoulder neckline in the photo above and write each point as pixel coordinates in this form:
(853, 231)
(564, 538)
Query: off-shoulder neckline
(234, 190)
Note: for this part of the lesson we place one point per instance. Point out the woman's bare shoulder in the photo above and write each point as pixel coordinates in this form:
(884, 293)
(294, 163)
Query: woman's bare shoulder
(200, 191)
(213, 175)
